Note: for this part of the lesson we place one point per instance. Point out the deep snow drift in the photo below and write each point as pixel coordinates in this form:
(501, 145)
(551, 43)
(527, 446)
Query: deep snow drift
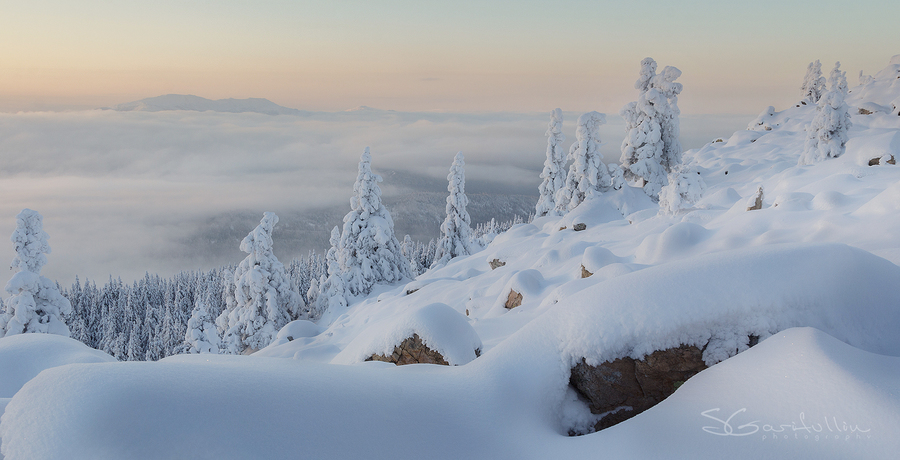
(813, 273)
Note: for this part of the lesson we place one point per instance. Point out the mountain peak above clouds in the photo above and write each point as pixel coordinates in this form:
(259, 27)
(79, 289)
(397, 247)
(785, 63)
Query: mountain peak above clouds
(201, 104)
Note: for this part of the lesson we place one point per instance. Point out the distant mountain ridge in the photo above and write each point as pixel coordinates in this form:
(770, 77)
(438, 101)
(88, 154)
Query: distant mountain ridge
(202, 104)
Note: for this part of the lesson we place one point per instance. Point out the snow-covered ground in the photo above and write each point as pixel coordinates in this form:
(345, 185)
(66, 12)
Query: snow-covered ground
(814, 274)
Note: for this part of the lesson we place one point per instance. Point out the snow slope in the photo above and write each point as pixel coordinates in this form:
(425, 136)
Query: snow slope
(813, 273)
(820, 397)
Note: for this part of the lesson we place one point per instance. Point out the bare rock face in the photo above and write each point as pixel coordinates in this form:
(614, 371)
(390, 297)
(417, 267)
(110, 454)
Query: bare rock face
(887, 159)
(497, 263)
(513, 300)
(579, 227)
(585, 273)
(757, 201)
(626, 387)
(411, 351)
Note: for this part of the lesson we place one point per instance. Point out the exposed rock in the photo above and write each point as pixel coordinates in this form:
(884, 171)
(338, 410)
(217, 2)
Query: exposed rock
(562, 228)
(411, 291)
(513, 300)
(881, 160)
(413, 351)
(757, 201)
(626, 387)
(863, 111)
(579, 227)
(497, 263)
(584, 272)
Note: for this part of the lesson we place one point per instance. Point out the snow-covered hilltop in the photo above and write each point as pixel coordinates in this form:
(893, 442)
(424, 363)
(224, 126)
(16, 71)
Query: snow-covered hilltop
(201, 104)
(765, 308)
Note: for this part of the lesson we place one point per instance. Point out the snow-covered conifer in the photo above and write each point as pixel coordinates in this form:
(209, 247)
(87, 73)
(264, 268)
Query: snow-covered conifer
(587, 173)
(456, 230)
(665, 83)
(648, 71)
(36, 304)
(554, 173)
(332, 292)
(263, 293)
(685, 188)
(369, 252)
(813, 86)
(201, 335)
(826, 136)
(651, 148)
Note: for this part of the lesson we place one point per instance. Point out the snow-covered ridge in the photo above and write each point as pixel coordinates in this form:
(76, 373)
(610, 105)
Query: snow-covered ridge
(201, 104)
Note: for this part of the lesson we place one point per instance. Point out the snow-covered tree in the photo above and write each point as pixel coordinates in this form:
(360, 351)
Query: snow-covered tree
(369, 252)
(587, 173)
(201, 335)
(36, 304)
(332, 293)
(263, 294)
(826, 136)
(685, 188)
(554, 173)
(648, 72)
(651, 148)
(456, 230)
(664, 82)
(813, 86)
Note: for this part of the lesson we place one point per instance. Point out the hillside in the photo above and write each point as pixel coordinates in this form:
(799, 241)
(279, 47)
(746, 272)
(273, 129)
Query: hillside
(791, 310)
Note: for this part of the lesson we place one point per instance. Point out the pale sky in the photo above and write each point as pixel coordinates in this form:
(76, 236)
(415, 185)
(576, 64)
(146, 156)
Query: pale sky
(737, 57)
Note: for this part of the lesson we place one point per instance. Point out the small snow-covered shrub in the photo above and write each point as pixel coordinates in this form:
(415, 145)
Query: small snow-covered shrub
(685, 188)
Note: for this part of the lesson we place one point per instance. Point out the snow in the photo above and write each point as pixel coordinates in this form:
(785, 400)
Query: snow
(440, 327)
(812, 274)
(24, 356)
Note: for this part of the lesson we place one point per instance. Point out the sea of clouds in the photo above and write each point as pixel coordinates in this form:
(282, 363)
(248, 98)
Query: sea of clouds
(124, 193)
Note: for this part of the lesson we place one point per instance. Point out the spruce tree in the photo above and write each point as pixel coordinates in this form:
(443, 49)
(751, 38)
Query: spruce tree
(36, 304)
(554, 173)
(369, 252)
(456, 232)
(826, 135)
(651, 149)
(263, 294)
(587, 173)
(813, 86)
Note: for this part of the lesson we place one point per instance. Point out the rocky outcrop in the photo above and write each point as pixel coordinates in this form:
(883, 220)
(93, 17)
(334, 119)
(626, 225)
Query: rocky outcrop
(496, 263)
(412, 351)
(757, 201)
(585, 273)
(513, 300)
(579, 227)
(626, 387)
(887, 159)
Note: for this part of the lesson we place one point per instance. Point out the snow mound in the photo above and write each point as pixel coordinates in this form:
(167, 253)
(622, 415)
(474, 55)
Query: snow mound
(719, 300)
(440, 327)
(800, 394)
(299, 329)
(201, 104)
(831, 401)
(24, 356)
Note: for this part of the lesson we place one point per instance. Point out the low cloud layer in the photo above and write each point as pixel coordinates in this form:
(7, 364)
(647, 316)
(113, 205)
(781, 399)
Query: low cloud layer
(127, 192)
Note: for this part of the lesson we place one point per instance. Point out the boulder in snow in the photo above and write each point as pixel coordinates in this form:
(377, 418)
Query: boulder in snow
(625, 387)
(412, 351)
